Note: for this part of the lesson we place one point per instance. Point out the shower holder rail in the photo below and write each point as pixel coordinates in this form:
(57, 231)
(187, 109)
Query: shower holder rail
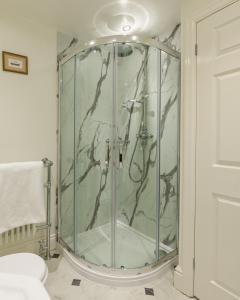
(45, 245)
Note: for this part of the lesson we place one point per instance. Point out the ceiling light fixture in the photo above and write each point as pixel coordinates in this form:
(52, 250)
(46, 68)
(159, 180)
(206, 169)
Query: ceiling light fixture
(91, 43)
(126, 28)
(121, 17)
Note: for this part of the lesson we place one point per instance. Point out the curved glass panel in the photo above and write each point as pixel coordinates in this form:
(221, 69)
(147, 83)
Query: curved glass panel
(66, 181)
(93, 136)
(119, 155)
(137, 100)
(169, 149)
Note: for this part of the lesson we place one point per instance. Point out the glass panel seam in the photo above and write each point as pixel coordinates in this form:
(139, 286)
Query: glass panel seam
(74, 156)
(113, 165)
(158, 196)
(59, 151)
(178, 149)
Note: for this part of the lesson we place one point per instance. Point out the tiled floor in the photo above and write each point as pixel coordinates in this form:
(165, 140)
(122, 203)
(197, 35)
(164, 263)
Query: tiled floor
(59, 286)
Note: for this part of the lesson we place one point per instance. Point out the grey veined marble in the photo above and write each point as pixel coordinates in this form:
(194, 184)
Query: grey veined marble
(119, 130)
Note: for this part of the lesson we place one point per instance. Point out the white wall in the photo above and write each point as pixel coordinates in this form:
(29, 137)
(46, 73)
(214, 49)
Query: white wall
(28, 105)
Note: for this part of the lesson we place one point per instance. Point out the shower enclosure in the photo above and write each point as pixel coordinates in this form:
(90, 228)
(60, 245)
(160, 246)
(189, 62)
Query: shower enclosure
(119, 132)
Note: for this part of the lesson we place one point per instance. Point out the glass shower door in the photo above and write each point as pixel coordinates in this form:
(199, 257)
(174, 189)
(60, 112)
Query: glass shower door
(137, 99)
(119, 154)
(93, 154)
(169, 160)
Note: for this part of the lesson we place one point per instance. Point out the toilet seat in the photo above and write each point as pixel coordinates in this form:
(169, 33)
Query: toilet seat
(22, 287)
(27, 264)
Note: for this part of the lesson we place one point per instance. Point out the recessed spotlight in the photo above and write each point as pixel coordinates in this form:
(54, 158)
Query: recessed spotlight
(126, 28)
(91, 43)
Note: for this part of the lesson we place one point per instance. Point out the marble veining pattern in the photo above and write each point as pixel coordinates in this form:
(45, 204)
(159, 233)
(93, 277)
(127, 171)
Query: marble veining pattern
(168, 173)
(94, 126)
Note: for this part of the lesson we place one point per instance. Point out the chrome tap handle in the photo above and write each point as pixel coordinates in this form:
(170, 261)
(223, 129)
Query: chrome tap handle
(122, 146)
(107, 153)
(120, 158)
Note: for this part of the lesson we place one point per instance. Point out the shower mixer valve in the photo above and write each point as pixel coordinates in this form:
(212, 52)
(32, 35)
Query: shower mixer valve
(144, 135)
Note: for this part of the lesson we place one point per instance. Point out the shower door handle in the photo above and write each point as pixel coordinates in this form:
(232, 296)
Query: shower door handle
(107, 154)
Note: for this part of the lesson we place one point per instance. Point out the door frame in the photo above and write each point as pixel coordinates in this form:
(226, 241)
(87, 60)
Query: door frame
(184, 272)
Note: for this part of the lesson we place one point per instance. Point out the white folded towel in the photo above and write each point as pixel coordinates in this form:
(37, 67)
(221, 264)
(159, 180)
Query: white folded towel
(21, 194)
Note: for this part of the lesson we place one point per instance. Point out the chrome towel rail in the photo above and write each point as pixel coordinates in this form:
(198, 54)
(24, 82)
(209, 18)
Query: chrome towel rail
(46, 246)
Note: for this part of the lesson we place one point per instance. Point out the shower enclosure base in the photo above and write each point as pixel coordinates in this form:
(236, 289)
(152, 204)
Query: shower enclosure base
(119, 277)
(133, 248)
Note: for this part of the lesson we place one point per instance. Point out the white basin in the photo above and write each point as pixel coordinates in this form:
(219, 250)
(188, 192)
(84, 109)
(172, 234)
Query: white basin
(19, 287)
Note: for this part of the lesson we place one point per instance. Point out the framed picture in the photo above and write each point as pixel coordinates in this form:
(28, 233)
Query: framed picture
(14, 63)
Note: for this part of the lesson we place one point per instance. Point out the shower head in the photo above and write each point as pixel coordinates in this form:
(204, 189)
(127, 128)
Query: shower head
(124, 50)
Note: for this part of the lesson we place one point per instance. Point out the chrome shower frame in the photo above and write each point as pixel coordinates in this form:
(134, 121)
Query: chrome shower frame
(69, 53)
(152, 42)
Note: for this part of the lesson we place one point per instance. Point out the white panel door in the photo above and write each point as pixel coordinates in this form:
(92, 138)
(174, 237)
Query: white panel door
(217, 260)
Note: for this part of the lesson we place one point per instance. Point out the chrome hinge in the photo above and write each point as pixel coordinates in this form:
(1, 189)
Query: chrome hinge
(196, 49)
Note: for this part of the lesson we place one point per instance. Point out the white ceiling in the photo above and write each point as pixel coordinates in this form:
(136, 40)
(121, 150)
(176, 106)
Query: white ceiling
(89, 19)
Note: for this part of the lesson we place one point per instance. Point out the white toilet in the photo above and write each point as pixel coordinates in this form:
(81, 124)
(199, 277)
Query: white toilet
(27, 264)
(20, 287)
